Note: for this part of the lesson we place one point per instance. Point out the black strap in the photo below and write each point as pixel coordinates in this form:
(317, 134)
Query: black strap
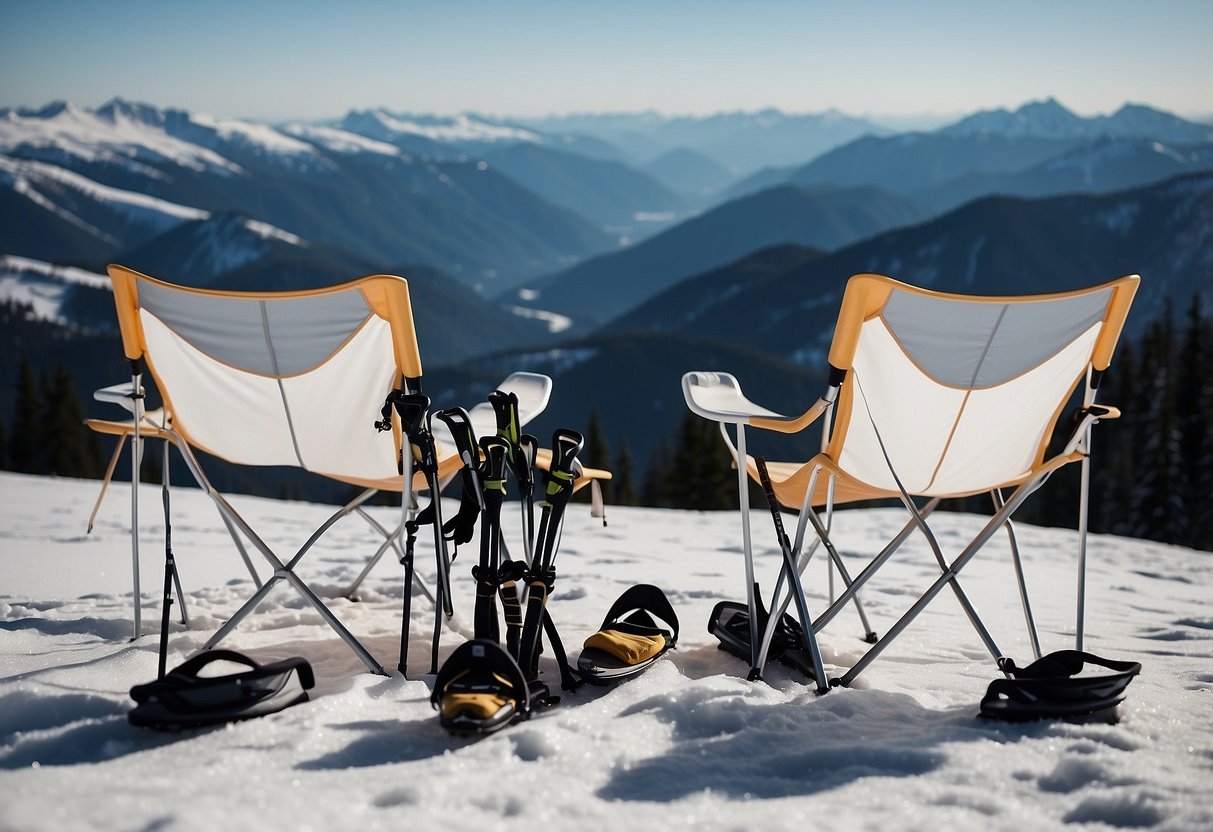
(1051, 686)
(1063, 664)
(643, 597)
(186, 675)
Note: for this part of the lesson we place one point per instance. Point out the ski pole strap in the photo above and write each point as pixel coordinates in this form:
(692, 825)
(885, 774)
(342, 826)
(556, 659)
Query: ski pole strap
(570, 680)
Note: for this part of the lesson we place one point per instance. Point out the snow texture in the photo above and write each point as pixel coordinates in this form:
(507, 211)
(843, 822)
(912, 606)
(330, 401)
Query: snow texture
(688, 745)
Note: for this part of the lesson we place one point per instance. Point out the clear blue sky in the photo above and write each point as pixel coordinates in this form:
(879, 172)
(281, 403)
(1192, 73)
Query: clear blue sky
(308, 59)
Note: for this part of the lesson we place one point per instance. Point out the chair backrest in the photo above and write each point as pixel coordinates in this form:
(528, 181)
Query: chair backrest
(962, 391)
(276, 378)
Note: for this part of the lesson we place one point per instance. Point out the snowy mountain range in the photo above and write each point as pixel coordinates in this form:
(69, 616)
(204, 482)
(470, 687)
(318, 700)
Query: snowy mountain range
(319, 184)
(472, 208)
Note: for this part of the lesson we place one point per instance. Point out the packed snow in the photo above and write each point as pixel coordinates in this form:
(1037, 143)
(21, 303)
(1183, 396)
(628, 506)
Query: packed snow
(690, 744)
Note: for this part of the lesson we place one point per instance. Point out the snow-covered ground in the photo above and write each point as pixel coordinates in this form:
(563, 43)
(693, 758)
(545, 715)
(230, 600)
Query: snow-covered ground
(690, 744)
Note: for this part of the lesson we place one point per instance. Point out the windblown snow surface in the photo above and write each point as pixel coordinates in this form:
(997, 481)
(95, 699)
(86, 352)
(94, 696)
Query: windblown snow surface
(690, 744)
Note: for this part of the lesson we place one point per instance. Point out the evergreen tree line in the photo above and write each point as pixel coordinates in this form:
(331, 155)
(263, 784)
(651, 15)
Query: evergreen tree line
(1151, 469)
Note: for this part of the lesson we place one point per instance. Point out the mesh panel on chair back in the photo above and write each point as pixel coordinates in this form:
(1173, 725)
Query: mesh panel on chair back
(262, 380)
(963, 391)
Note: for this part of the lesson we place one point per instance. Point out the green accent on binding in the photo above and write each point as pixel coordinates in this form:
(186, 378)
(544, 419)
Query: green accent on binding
(494, 485)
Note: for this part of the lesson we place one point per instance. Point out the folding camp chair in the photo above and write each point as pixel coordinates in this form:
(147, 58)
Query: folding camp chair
(930, 395)
(277, 378)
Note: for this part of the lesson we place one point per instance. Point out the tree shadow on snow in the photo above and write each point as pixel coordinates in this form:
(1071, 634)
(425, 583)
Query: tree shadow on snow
(734, 746)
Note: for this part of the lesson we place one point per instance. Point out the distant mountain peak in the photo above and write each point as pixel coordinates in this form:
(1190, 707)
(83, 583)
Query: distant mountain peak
(382, 124)
(1039, 119)
(1049, 119)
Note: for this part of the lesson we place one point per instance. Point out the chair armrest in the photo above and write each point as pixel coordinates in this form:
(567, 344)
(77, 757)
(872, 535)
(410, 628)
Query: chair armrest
(793, 424)
(718, 396)
(122, 395)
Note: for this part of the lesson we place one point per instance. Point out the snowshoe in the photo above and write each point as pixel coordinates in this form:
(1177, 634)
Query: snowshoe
(480, 689)
(1050, 687)
(183, 699)
(730, 622)
(630, 639)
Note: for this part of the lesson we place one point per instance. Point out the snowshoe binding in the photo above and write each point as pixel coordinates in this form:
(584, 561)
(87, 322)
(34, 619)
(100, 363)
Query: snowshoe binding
(630, 639)
(1050, 687)
(183, 699)
(480, 689)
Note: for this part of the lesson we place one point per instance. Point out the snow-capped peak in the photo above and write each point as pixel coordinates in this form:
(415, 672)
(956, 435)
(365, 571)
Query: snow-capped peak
(1048, 119)
(381, 124)
(118, 133)
(1039, 119)
(340, 141)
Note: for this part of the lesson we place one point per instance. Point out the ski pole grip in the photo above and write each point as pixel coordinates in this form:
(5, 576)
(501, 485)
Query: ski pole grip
(495, 450)
(566, 444)
(505, 407)
(460, 424)
(412, 408)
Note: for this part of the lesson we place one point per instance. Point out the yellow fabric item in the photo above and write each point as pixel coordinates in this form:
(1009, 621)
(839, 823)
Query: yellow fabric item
(477, 705)
(626, 647)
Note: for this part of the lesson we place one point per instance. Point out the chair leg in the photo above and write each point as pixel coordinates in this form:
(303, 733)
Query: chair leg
(281, 571)
(871, 569)
(136, 454)
(954, 581)
(105, 482)
(949, 574)
(1083, 497)
(743, 501)
(1017, 563)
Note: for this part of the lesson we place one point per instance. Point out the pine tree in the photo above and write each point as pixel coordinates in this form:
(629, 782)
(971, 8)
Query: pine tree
(1158, 509)
(27, 448)
(656, 491)
(1194, 405)
(623, 486)
(1114, 455)
(72, 449)
(597, 454)
(701, 474)
(683, 486)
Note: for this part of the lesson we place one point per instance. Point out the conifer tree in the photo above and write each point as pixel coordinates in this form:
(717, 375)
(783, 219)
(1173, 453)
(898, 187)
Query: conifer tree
(597, 454)
(71, 450)
(27, 448)
(657, 476)
(1194, 405)
(1158, 509)
(623, 485)
(1113, 453)
(683, 476)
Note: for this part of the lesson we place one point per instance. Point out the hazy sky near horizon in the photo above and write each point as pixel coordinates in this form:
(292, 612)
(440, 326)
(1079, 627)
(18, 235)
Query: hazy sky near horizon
(305, 59)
